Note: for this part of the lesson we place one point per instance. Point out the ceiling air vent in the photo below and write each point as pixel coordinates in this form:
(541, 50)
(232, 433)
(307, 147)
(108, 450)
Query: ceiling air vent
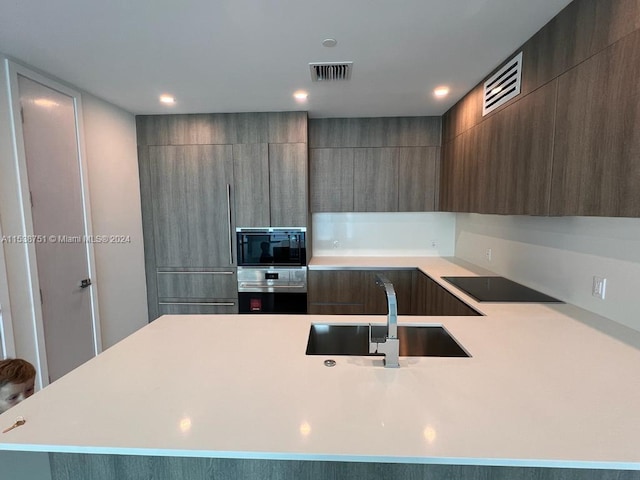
(330, 71)
(503, 85)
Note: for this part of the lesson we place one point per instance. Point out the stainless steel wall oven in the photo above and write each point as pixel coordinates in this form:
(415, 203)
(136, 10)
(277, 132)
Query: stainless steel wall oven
(272, 271)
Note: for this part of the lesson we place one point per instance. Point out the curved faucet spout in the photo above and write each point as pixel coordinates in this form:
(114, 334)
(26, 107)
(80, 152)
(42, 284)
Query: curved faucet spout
(391, 346)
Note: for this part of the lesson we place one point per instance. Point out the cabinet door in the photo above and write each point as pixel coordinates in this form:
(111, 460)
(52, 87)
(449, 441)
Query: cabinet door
(331, 179)
(375, 186)
(288, 184)
(198, 308)
(375, 297)
(417, 178)
(334, 292)
(251, 185)
(210, 284)
(430, 298)
(596, 158)
(191, 206)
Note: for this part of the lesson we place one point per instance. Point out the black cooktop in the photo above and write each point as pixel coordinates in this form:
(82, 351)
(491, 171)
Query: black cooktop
(499, 289)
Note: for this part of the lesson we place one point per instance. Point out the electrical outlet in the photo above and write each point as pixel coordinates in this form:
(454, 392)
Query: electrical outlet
(434, 244)
(487, 254)
(599, 287)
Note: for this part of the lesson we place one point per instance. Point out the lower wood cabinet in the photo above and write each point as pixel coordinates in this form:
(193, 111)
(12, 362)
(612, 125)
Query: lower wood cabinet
(197, 292)
(353, 292)
(429, 298)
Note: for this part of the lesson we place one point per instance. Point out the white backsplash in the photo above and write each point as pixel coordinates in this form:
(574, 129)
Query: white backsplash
(560, 256)
(383, 234)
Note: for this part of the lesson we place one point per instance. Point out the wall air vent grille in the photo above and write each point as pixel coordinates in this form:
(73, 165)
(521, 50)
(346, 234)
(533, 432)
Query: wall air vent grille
(330, 71)
(503, 85)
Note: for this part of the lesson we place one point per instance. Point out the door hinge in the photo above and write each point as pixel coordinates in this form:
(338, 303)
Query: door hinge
(31, 198)
(22, 114)
(41, 298)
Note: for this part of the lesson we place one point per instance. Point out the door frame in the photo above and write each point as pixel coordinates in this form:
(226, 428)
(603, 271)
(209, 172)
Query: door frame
(13, 70)
(7, 341)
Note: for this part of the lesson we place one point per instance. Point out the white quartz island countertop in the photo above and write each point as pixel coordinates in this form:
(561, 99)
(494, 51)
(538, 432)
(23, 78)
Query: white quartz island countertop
(546, 385)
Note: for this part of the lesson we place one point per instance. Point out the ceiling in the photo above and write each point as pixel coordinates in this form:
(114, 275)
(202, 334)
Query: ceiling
(251, 55)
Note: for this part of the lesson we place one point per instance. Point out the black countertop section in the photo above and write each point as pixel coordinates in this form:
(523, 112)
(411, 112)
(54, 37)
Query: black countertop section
(499, 289)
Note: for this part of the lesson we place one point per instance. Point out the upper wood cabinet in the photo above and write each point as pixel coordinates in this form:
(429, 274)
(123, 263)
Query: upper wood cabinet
(418, 178)
(331, 173)
(222, 128)
(251, 185)
(375, 180)
(596, 161)
(386, 164)
(288, 190)
(569, 143)
(270, 185)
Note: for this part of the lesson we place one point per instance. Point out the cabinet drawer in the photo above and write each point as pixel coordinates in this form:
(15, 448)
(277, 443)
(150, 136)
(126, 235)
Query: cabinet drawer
(209, 284)
(198, 308)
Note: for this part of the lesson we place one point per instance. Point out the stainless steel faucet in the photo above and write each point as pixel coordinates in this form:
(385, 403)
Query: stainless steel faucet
(391, 345)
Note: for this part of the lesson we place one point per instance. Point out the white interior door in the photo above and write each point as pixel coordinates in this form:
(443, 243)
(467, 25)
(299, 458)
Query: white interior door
(51, 149)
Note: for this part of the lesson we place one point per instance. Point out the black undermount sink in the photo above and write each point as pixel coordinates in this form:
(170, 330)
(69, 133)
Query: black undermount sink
(415, 341)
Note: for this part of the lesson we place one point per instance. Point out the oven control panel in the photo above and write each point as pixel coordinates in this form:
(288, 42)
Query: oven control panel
(272, 279)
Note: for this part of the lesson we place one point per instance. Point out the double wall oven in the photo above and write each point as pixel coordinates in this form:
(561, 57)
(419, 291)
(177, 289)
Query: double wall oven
(272, 270)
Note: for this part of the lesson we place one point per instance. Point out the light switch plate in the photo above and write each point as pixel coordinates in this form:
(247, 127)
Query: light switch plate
(599, 287)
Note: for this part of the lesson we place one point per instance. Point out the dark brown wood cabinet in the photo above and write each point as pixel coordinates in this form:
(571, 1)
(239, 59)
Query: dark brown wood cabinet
(346, 292)
(431, 299)
(335, 292)
(596, 162)
(352, 292)
(569, 144)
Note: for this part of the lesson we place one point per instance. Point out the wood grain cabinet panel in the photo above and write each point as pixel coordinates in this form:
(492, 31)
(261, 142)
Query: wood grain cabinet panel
(188, 129)
(215, 283)
(375, 186)
(189, 192)
(374, 132)
(376, 298)
(417, 178)
(597, 143)
(331, 173)
(219, 306)
(431, 299)
(503, 165)
(336, 292)
(287, 127)
(288, 191)
(251, 185)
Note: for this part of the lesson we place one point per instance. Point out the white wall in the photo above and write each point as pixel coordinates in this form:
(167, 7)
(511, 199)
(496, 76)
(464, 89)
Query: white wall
(110, 142)
(383, 234)
(114, 189)
(560, 256)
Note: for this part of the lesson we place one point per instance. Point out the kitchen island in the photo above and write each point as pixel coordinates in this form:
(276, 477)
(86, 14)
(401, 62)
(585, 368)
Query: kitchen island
(549, 390)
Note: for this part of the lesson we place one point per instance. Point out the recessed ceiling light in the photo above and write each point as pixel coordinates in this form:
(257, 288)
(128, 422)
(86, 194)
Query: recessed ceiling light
(300, 95)
(168, 99)
(329, 42)
(441, 92)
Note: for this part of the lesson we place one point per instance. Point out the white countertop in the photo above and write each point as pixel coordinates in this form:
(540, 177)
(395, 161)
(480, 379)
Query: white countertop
(544, 387)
